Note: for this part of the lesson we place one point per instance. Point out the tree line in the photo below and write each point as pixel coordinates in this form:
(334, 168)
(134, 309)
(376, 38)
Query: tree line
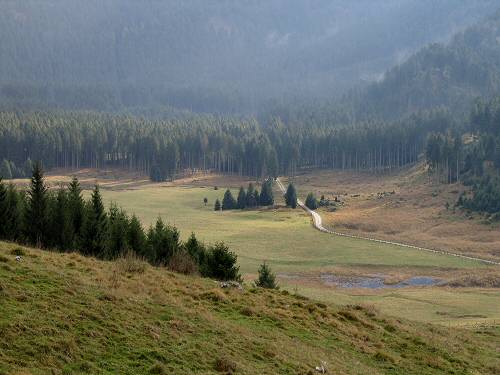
(65, 221)
(230, 145)
(249, 198)
(471, 156)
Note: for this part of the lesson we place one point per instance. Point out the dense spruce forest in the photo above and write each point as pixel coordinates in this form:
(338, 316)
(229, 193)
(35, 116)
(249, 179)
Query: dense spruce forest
(229, 145)
(209, 56)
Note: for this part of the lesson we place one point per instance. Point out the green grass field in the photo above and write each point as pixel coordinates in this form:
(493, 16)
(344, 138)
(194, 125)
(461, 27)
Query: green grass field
(286, 240)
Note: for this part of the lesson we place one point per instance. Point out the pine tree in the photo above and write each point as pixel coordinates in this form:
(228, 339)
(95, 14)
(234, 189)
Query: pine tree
(36, 208)
(266, 279)
(94, 230)
(291, 196)
(217, 205)
(136, 237)
(228, 202)
(242, 199)
(311, 201)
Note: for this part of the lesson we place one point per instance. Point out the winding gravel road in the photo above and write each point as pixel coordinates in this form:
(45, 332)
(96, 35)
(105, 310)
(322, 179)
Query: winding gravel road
(318, 224)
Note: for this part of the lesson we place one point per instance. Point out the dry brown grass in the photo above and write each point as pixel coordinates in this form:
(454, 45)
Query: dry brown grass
(414, 214)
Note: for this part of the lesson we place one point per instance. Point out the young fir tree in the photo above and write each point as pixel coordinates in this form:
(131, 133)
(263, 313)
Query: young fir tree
(217, 205)
(118, 225)
(242, 199)
(266, 279)
(36, 209)
(221, 263)
(311, 201)
(14, 214)
(163, 242)
(251, 201)
(94, 230)
(256, 197)
(291, 196)
(228, 202)
(136, 237)
(61, 229)
(76, 208)
(266, 195)
(195, 249)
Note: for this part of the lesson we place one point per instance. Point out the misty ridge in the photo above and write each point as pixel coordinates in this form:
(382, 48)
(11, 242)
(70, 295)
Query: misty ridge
(244, 57)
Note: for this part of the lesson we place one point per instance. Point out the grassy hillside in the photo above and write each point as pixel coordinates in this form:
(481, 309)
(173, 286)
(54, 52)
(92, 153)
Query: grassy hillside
(63, 313)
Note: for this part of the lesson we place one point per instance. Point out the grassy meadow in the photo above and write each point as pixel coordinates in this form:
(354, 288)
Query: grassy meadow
(68, 314)
(286, 240)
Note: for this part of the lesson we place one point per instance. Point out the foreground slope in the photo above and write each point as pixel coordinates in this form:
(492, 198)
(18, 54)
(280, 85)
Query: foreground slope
(64, 312)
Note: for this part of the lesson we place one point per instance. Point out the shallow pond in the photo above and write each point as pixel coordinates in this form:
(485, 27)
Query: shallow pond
(376, 282)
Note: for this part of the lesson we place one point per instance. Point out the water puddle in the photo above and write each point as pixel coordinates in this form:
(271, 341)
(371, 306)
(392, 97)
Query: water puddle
(376, 282)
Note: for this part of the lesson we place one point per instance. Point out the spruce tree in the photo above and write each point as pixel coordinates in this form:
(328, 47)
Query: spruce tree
(256, 197)
(94, 230)
(221, 264)
(76, 207)
(266, 279)
(217, 205)
(36, 208)
(266, 195)
(291, 196)
(136, 237)
(14, 214)
(118, 227)
(311, 201)
(228, 202)
(242, 199)
(251, 201)
(163, 242)
(61, 228)
(195, 249)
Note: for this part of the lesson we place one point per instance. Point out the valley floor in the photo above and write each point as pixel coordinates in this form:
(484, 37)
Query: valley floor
(318, 264)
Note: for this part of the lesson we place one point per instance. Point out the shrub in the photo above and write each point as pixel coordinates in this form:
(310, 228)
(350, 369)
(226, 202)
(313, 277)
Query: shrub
(266, 279)
(18, 251)
(182, 262)
(311, 201)
(131, 263)
(225, 365)
(220, 263)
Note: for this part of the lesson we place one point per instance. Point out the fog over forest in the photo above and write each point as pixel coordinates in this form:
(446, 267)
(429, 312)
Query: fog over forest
(211, 56)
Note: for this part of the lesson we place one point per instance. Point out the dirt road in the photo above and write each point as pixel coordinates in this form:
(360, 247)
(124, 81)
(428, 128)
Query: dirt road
(318, 224)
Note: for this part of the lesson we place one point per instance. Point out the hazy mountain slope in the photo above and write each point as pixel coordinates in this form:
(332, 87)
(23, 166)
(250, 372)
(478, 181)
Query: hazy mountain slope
(450, 75)
(66, 312)
(219, 55)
